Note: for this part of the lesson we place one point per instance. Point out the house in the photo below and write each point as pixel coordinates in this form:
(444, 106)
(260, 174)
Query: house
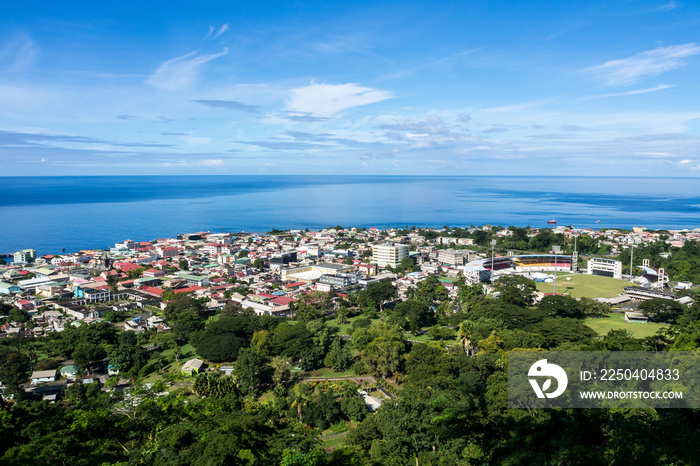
(24, 305)
(8, 288)
(69, 372)
(198, 280)
(192, 366)
(43, 376)
(153, 273)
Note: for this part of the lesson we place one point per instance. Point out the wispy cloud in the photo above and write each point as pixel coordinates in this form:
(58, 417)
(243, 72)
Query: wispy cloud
(328, 99)
(196, 140)
(432, 132)
(282, 145)
(229, 104)
(464, 118)
(660, 87)
(221, 30)
(212, 162)
(628, 71)
(304, 117)
(670, 6)
(181, 72)
(18, 53)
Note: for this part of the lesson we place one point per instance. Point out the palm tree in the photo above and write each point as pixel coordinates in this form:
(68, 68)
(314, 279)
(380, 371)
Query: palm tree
(465, 336)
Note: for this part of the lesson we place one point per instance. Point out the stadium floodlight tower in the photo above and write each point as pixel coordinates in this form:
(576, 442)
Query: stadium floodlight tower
(556, 250)
(632, 262)
(574, 256)
(493, 254)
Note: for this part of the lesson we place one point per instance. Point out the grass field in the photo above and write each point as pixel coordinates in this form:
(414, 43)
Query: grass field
(343, 328)
(616, 321)
(585, 286)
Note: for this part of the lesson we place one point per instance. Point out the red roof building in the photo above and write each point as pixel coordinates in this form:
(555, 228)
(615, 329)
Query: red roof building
(190, 289)
(281, 301)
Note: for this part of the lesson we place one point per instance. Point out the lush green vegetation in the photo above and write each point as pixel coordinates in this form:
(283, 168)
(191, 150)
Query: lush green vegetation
(443, 360)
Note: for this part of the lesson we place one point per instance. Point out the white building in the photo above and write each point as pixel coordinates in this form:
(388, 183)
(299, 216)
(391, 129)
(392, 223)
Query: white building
(25, 256)
(605, 267)
(43, 376)
(389, 254)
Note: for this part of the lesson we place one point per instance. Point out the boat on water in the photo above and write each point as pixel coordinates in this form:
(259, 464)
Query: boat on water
(597, 221)
(553, 222)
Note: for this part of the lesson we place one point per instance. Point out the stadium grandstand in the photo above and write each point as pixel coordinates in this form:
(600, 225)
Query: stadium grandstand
(652, 278)
(484, 269)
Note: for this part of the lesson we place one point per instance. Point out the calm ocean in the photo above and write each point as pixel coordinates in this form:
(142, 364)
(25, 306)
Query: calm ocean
(52, 213)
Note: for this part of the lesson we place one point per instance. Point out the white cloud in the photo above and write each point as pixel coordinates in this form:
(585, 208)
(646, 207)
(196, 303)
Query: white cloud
(221, 30)
(670, 6)
(686, 161)
(660, 87)
(212, 162)
(328, 99)
(18, 53)
(196, 140)
(181, 72)
(627, 71)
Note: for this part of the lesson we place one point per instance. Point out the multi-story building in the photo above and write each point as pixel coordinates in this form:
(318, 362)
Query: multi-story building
(389, 254)
(25, 256)
(456, 256)
(605, 267)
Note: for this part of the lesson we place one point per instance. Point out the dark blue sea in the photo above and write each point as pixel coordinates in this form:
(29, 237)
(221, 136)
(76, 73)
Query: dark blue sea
(52, 213)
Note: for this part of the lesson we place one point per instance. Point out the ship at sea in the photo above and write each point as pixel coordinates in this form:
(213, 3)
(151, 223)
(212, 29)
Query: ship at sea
(553, 222)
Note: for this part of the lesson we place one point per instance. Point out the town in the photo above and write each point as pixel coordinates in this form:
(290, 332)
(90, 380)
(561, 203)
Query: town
(261, 313)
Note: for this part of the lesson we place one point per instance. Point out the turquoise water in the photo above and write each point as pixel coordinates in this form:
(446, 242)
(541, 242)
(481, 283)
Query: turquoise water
(52, 213)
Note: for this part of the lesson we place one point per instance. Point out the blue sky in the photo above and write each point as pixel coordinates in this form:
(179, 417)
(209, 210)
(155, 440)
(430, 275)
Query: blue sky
(399, 88)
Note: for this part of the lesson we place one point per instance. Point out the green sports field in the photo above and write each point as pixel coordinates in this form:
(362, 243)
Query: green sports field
(616, 321)
(585, 286)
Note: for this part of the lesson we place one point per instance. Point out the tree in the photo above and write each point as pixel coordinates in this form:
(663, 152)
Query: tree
(407, 264)
(441, 333)
(220, 347)
(558, 330)
(12, 370)
(352, 405)
(339, 356)
(375, 294)
(561, 306)
(249, 370)
(665, 310)
(515, 289)
(208, 384)
(128, 354)
(18, 315)
(261, 341)
(382, 357)
(259, 264)
(185, 314)
(412, 314)
(281, 367)
(85, 353)
(291, 341)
